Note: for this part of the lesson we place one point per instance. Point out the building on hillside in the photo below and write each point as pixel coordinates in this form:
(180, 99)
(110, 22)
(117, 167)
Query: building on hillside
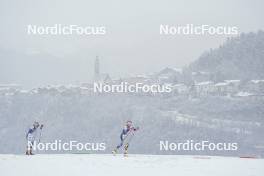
(201, 76)
(233, 86)
(138, 79)
(221, 88)
(255, 86)
(169, 75)
(98, 76)
(9, 88)
(228, 87)
(203, 88)
(180, 89)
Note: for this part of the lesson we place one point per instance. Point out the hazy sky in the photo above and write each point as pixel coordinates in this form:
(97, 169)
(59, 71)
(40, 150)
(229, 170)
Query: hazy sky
(132, 44)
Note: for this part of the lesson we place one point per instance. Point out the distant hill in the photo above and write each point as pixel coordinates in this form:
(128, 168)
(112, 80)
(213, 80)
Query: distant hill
(32, 69)
(238, 58)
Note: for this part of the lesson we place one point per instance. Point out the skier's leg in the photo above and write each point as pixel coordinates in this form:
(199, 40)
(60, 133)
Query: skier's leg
(27, 151)
(31, 151)
(120, 145)
(122, 141)
(127, 143)
(117, 147)
(29, 148)
(126, 148)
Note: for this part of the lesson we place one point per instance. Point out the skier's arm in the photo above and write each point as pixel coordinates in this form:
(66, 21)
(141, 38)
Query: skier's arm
(30, 131)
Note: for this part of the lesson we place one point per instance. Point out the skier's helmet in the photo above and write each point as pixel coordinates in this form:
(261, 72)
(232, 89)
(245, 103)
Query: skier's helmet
(129, 123)
(36, 124)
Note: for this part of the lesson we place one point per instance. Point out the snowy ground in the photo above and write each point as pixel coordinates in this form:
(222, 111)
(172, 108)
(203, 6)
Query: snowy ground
(133, 165)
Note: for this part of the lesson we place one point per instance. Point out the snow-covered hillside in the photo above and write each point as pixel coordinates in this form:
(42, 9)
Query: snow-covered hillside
(101, 119)
(133, 165)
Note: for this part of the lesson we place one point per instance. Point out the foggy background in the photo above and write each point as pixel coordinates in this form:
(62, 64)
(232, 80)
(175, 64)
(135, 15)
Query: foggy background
(132, 44)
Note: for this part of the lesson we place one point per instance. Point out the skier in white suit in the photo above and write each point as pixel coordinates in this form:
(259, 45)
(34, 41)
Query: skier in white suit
(32, 136)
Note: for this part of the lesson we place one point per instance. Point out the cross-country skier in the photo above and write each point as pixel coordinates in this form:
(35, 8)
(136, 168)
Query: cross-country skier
(32, 136)
(128, 131)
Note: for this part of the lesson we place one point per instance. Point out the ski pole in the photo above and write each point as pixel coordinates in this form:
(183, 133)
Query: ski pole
(130, 138)
(126, 135)
(40, 133)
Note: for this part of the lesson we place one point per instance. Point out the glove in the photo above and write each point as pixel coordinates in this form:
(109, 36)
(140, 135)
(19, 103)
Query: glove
(137, 128)
(41, 126)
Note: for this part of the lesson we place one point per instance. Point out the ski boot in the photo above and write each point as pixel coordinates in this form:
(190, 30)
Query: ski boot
(29, 151)
(114, 152)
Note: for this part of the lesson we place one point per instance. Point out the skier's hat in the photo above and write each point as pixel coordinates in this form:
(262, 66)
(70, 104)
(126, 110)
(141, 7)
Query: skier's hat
(129, 122)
